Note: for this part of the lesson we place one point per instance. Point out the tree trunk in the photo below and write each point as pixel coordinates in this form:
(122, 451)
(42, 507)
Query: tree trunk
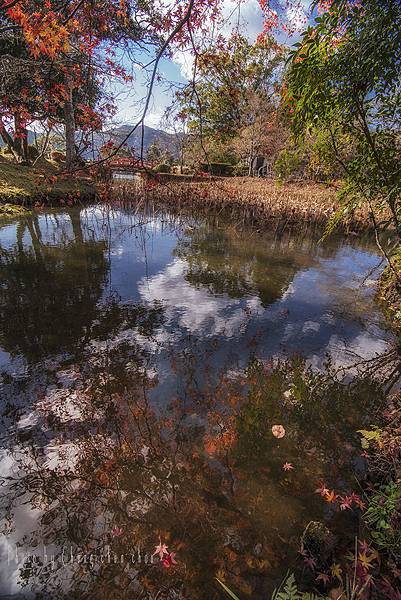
(76, 227)
(69, 122)
(182, 160)
(18, 145)
(21, 139)
(6, 137)
(251, 157)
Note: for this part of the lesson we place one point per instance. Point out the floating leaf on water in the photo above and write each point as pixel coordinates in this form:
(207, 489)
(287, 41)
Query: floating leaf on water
(278, 431)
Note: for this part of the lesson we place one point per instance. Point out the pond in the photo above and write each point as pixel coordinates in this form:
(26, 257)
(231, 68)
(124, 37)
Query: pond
(144, 360)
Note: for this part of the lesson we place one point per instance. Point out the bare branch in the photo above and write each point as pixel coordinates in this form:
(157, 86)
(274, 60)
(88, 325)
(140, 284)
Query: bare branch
(185, 19)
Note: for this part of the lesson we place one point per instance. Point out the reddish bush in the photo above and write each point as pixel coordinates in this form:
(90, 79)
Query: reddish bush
(57, 156)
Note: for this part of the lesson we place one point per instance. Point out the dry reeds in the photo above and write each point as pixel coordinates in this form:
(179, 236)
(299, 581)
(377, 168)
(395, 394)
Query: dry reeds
(259, 202)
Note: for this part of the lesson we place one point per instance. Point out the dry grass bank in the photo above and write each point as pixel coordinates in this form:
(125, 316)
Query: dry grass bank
(21, 184)
(261, 202)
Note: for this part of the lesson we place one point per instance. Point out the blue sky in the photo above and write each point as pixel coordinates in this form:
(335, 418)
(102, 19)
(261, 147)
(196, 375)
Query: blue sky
(175, 72)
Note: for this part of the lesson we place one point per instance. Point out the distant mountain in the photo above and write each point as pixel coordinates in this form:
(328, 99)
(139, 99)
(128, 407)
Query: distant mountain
(166, 141)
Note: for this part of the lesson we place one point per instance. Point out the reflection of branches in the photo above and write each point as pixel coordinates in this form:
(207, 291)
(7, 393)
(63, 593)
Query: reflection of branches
(126, 474)
(180, 25)
(118, 462)
(385, 367)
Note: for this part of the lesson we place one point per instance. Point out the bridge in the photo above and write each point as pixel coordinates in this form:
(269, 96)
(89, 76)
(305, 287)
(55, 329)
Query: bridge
(130, 164)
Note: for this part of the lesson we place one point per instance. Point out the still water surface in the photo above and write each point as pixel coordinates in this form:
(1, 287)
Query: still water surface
(124, 344)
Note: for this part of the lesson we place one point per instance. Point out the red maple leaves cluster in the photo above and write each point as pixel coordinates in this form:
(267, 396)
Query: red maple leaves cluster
(68, 47)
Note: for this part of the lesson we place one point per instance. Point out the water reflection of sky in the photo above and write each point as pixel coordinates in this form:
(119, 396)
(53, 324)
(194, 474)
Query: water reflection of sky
(323, 305)
(214, 285)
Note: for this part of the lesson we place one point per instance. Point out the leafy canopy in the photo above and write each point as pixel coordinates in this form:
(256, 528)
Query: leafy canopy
(344, 79)
(228, 75)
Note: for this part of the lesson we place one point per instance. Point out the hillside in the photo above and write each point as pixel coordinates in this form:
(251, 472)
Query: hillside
(22, 184)
(167, 141)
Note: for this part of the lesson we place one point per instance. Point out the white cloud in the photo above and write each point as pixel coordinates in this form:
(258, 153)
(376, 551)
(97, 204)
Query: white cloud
(185, 60)
(153, 119)
(196, 309)
(248, 15)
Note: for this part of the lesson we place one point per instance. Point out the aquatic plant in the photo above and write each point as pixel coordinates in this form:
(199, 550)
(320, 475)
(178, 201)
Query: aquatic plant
(384, 517)
(288, 590)
(257, 202)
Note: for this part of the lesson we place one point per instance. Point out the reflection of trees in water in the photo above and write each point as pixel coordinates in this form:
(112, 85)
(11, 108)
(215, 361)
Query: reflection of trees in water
(49, 292)
(106, 468)
(322, 411)
(110, 339)
(239, 263)
(131, 472)
(78, 418)
(95, 456)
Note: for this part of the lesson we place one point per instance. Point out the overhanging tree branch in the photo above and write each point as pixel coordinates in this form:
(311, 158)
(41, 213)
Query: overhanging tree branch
(185, 19)
(9, 5)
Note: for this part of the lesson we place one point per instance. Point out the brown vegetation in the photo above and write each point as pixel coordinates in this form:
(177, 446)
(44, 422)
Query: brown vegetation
(261, 202)
(390, 292)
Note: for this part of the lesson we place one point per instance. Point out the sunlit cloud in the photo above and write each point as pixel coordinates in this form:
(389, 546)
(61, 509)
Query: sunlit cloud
(247, 17)
(196, 309)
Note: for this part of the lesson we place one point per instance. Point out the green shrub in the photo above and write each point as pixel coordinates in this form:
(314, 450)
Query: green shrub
(384, 518)
(288, 590)
(163, 168)
(217, 168)
(288, 163)
(322, 163)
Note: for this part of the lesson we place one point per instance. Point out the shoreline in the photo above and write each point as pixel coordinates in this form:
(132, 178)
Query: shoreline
(261, 203)
(256, 202)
